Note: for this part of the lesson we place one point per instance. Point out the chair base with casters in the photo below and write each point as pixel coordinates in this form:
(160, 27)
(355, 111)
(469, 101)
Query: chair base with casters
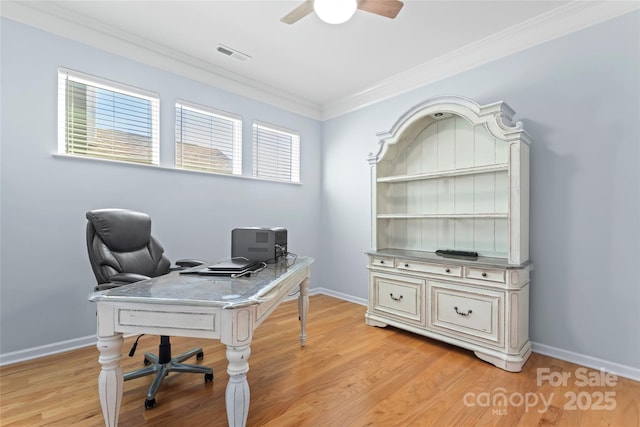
(161, 365)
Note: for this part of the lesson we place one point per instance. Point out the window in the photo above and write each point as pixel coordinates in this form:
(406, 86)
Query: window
(276, 153)
(208, 140)
(108, 120)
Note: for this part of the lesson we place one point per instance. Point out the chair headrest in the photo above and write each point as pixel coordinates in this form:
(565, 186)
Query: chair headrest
(121, 230)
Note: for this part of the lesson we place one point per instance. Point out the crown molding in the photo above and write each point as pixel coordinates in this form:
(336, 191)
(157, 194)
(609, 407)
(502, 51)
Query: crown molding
(556, 23)
(54, 19)
(566, 19)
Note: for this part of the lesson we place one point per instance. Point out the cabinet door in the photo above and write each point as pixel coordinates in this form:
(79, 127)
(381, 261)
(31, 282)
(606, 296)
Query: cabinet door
(398, 296)
(468, 313)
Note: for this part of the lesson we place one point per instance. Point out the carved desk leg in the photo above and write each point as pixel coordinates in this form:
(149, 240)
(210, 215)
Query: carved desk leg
(237, 394)
(303, 308)
(236, 334)
(110, 381)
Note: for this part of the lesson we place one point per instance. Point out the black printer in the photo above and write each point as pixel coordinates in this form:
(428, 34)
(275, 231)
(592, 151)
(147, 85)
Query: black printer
(266, 244)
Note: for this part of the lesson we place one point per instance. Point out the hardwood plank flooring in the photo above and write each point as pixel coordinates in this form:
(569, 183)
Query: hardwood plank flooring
(349, 374)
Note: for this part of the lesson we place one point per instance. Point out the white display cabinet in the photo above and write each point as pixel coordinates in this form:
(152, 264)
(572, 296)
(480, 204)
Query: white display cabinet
(453, 175)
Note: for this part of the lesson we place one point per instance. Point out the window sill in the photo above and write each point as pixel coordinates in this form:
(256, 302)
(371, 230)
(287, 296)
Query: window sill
(165, 168)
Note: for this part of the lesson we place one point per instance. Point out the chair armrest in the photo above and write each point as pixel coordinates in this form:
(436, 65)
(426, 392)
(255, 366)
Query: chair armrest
(120, 279)
(105, 286)
(126, 278)
(183, 263)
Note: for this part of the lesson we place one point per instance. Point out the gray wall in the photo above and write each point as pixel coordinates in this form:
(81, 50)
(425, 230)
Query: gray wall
(45, 274)
(579, 97)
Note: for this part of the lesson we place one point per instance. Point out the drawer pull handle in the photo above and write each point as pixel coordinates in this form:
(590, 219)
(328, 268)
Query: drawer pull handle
(406, 265)
(394, 298)
(484, 274)
(381, 261)
(461, 313)
(448, 270)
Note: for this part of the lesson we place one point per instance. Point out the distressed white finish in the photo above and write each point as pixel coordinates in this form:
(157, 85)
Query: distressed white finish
(452, 174)
(195, 306)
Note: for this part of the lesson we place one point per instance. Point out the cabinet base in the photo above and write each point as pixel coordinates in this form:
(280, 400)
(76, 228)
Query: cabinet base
(507, 362)
(373, 322)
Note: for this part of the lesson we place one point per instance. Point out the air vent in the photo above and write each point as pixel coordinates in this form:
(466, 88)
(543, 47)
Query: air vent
(225, 50)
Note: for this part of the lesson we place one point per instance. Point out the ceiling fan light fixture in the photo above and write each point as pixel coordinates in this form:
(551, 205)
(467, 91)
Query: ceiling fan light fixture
(335, 11)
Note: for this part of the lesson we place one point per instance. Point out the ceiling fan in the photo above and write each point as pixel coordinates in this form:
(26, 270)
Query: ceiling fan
(345, 9)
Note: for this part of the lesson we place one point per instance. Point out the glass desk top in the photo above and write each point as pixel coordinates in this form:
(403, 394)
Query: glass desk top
(205, 290)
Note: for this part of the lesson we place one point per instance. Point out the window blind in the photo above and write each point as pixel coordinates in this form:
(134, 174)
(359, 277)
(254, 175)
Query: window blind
(109, 120)
(208, 140)
(276, 153)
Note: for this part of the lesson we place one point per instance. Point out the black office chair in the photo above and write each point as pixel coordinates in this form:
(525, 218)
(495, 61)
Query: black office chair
(122, 251)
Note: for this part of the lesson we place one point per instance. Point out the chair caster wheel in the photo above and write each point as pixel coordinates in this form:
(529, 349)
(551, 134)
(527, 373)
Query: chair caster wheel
(208, 378)
(146, 362)
(200, 356)
(149, 403)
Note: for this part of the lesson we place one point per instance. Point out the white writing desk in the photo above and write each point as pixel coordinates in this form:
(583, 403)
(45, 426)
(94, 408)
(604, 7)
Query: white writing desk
(224, 308)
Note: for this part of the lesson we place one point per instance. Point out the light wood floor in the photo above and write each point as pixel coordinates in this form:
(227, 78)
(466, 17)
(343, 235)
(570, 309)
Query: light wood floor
(349, 374)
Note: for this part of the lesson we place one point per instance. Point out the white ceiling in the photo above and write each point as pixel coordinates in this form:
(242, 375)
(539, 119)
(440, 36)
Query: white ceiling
(323, 69)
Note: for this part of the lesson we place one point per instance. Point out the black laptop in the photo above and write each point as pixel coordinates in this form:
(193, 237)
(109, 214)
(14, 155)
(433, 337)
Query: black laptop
(226, 267)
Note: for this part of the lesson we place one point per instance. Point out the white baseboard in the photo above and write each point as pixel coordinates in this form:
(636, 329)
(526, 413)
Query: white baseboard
(590, 362)
(46, 350)
(630, 372)
(340, 295)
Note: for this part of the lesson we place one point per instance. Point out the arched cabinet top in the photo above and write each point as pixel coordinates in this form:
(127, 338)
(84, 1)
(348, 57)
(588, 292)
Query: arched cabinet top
(496, 118)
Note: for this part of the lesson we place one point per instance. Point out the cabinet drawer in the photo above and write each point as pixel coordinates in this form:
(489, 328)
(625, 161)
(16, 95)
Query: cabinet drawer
(485, 274)
(475, 314)
(381, 262)
(423, 267)
(398, 296)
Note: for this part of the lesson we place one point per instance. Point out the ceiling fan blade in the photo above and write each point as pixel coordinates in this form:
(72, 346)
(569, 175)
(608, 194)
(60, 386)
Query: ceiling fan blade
(298, 13)
(388, 8)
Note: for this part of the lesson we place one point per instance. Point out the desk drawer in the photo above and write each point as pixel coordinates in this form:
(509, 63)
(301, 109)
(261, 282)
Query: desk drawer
(424, 267)
(165, 320)
(492, 275)
(381, 262)
(476, 314)
(398, 296)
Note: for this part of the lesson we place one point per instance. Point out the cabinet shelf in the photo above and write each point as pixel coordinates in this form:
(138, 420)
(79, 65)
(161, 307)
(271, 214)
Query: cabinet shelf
(446, 216)
(446, 173)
